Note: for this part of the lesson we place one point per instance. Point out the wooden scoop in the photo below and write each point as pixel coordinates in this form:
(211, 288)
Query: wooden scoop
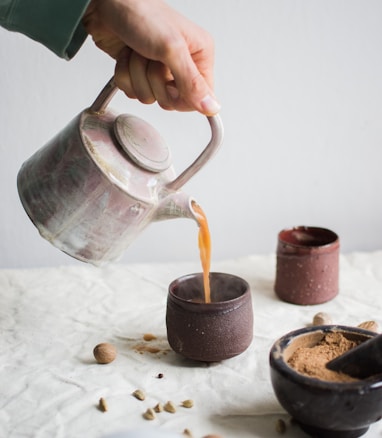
(362, 361)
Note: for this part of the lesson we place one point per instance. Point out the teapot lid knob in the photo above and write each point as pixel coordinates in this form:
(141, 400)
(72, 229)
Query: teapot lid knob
(142, 143)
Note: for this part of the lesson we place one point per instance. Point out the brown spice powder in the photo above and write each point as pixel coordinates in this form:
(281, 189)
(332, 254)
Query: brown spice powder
(311, 361)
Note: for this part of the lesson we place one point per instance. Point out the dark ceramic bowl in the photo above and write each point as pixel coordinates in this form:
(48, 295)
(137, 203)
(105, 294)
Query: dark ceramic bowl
(209, 332)
(322, 408)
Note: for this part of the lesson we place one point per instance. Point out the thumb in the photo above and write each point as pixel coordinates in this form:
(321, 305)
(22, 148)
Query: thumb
(193, 88)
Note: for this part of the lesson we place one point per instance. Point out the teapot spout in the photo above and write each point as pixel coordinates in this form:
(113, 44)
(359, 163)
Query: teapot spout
(175, 205)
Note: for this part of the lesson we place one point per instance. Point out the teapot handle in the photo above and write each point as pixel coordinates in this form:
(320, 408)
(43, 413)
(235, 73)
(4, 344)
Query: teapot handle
(104, 97)
(107, 93)
(209, 151)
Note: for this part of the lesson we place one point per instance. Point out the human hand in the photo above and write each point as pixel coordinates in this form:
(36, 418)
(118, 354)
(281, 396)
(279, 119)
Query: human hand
(161, 56)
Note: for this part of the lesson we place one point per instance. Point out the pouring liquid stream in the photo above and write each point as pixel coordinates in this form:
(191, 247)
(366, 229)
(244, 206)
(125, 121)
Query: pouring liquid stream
(204, 240)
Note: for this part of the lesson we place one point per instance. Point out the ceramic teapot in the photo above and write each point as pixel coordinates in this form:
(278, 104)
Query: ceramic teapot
(101, 180)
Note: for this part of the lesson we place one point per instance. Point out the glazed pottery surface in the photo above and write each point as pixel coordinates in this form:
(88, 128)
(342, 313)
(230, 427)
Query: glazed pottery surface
(324, 409)
(209, 332)
(99, 182)
(307, 269)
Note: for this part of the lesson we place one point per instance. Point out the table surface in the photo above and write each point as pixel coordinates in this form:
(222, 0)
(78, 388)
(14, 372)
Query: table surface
(51, 319)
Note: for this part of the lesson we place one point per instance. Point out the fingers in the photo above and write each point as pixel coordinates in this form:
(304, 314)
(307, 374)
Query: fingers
(192, 67)
(147, 81)
(158, 75)
(164, 88)
(121, 73)
(139, 79)
(131, 76)
(150, 81)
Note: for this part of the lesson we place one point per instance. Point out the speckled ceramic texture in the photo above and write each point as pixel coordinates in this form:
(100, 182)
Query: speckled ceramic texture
(307, 269)
(209, 332)
(94, 187)
(324, 409)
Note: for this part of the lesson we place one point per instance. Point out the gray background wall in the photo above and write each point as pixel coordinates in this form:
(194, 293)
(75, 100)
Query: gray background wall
(300, 84)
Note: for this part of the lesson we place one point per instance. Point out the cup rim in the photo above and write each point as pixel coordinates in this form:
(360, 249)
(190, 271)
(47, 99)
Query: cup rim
(331, 237)
(213, 304)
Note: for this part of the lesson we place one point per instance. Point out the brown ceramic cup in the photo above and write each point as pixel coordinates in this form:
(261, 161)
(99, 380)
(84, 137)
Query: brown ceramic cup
(209, 332)
(307, 268)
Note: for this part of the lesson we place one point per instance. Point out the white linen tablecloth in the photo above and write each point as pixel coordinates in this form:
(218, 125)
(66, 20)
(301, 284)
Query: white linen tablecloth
(51, 319)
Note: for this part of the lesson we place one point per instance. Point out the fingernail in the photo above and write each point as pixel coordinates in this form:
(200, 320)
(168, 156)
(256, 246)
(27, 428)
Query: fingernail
(210, 105)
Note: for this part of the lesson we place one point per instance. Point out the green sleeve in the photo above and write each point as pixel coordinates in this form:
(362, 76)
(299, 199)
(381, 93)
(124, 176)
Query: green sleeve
(54, 23)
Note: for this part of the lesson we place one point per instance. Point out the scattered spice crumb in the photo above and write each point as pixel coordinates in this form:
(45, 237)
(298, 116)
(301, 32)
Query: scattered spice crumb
(149, 337)
(213, 436)
(102, 405)
(170, 407)
(152, 344)
(142, 348)
(139, 394)
(149, 414)
(280, 426)
(160, 376)
(187, 432)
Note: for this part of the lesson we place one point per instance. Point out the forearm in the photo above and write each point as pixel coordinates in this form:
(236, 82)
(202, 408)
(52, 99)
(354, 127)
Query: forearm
(54, 23)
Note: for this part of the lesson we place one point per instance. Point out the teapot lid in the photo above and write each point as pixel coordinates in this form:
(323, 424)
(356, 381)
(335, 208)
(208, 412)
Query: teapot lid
(142, 143)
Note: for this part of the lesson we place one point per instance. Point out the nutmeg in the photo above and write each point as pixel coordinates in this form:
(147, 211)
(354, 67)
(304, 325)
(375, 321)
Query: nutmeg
(322, 318)
(369, 325)
(104, 353)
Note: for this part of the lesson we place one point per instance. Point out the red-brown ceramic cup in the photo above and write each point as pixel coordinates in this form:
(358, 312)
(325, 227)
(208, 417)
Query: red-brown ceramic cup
(307, 267)
(209, 332)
